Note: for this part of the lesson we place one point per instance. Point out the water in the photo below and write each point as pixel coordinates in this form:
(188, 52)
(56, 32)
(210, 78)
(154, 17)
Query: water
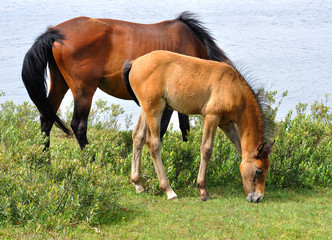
(285, 44)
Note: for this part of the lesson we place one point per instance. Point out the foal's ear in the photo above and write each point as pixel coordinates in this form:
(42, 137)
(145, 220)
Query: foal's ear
(264, 150)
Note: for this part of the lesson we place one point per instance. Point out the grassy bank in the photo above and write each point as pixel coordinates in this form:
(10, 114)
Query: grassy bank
(284, 214)
(73, 194)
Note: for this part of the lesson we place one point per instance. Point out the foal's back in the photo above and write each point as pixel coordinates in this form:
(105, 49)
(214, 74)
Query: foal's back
(187, 84)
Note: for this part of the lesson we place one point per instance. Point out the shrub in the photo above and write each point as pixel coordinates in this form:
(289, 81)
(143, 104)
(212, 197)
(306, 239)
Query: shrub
(302, 156)
(70, 190)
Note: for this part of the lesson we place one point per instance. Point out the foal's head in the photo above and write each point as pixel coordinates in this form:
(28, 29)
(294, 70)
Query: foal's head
(254, 171)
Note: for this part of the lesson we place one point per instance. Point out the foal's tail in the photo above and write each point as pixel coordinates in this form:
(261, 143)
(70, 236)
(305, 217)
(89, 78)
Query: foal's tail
(34, 73)
(201, 32)
(125, 73)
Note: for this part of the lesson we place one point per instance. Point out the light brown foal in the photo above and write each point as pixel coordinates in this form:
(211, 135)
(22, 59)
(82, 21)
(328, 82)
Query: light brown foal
(215, 90)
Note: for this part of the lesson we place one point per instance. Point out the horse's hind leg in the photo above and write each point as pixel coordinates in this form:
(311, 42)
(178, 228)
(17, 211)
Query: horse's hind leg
(58, 89)
(139, 134)
(183, 120)
(79, 123)
(211, 123)
(166, 117)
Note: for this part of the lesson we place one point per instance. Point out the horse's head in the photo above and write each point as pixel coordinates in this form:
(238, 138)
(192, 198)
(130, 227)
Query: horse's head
(254, 171)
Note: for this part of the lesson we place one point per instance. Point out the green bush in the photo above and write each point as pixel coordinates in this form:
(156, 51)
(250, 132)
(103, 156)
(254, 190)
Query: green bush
(302, 156)
(66, 189)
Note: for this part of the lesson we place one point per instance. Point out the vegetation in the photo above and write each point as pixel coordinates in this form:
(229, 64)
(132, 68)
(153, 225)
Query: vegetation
(68, 193)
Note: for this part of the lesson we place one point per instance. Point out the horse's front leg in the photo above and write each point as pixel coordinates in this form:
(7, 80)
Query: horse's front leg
(139, 134)
(154, 144)
(209, 131)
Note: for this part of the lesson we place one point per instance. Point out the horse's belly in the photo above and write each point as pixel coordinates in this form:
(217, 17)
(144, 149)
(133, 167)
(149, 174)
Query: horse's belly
(114, 86)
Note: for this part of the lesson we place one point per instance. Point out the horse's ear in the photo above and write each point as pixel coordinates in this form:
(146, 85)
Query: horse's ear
(268, 147)
(264, 150)
(260, 149)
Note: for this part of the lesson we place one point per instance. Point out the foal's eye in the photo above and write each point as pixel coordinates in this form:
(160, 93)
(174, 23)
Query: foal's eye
(258, 172)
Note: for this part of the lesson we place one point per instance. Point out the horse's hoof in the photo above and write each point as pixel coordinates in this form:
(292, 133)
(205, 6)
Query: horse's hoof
(175, 198)
(139, 188)
(172, 196)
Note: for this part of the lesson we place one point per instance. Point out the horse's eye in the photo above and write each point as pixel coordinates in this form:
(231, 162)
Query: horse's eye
(258, 172)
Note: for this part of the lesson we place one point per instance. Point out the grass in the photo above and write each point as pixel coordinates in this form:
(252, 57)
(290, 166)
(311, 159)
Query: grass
(76, 198)
(284, 214)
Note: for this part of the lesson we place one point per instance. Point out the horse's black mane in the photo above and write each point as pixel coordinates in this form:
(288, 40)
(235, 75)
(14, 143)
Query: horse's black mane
(202, 33)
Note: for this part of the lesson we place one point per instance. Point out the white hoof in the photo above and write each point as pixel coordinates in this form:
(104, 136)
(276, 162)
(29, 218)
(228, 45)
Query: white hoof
(172, 196)
(139, 188)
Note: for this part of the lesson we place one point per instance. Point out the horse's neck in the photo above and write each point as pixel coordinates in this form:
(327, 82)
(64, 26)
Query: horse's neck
(250, 127)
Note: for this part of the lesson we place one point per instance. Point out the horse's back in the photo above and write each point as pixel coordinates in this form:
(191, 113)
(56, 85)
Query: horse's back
(134, 39)
(99, 47)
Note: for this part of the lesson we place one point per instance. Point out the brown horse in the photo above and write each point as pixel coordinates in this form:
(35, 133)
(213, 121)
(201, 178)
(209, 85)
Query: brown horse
(84, 54)
(215, 90)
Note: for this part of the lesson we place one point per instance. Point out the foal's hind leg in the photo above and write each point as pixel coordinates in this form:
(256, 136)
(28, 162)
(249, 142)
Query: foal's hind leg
(211, 123)
(139, 134)
(58, 89)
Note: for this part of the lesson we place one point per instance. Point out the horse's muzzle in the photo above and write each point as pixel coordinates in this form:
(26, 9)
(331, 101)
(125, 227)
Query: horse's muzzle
(255, 197)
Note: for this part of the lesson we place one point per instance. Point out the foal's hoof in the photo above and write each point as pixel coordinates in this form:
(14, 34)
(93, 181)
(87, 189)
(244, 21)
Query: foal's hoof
(172, 195)
(175, 198)
(205, 198)
(139, 188)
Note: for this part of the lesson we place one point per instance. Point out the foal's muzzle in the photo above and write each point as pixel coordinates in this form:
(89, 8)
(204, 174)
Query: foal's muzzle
(255, 197)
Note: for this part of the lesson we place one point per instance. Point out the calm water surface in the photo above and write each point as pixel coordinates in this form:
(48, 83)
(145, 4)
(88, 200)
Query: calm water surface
(285, 44)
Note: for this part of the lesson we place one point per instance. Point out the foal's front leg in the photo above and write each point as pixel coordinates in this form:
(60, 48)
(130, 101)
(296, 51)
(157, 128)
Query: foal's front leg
(139, 134)
(209, 131)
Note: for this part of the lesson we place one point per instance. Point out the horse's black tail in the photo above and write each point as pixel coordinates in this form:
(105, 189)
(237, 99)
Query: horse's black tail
(125, 74)
(201, 32)
(34, 73)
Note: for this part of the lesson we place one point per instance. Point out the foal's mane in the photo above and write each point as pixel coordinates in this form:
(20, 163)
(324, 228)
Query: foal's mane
(250, 81)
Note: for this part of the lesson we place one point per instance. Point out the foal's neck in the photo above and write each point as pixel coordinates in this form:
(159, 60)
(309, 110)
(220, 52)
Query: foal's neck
(250, 126)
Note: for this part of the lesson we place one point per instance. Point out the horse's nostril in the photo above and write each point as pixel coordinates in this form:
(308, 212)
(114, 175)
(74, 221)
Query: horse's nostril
(250, 197)
(259, 199)
(258, 172)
